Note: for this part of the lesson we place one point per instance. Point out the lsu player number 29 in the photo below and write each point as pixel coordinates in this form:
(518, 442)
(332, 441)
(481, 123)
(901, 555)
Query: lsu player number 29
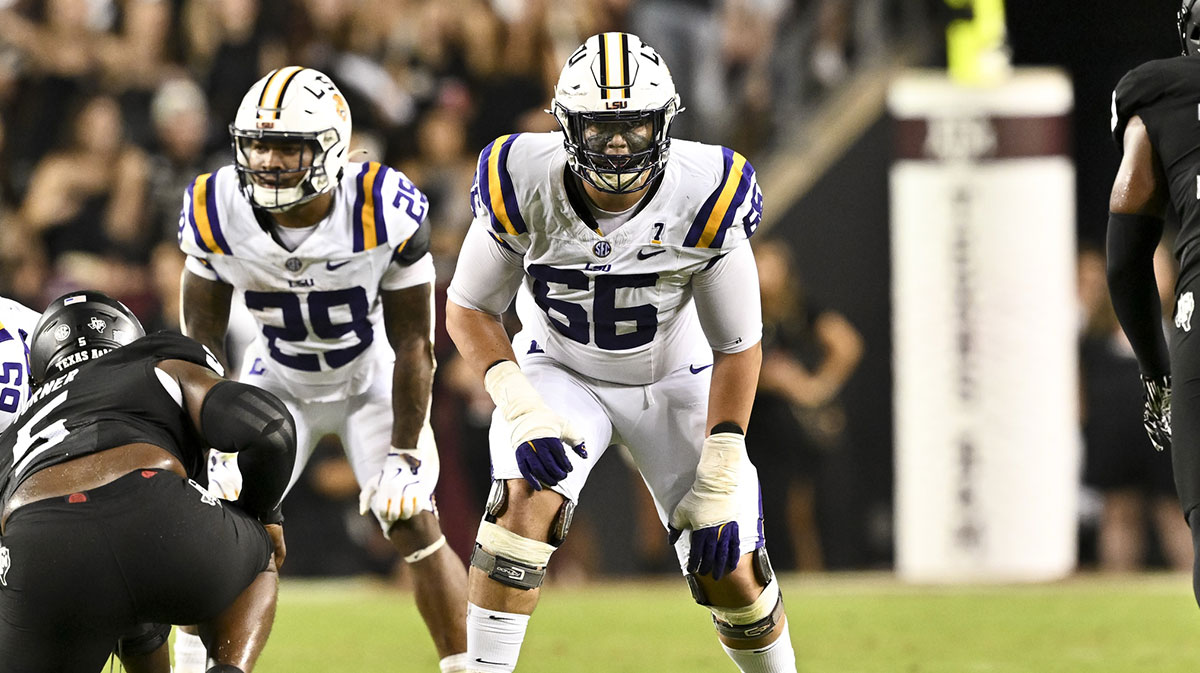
(332, 258)
(628, 254)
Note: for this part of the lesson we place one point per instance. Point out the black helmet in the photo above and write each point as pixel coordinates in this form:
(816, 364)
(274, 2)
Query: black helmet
(1189, 27)
(76, 328)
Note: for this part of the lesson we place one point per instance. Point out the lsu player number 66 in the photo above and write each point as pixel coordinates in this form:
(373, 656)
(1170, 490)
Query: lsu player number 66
(628, 255)
(332, 259)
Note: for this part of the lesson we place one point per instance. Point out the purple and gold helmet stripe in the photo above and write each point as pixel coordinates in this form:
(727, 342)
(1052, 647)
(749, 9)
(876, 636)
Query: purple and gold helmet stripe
(203, 217)
(271, 97)
(614, 65)
(715, 216)
(496, 187)
(370, 230)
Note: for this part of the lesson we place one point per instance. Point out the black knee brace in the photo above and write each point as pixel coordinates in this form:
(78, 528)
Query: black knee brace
(257, 426)
(143, 639)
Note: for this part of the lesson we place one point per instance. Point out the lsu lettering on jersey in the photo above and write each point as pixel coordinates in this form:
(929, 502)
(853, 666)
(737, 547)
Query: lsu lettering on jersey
(16, 325)
(318, 306)
(613, 307)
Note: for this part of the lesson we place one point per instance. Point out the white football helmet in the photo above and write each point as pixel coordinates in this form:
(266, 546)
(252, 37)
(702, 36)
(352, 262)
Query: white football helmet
(615, 84)
(298, 106)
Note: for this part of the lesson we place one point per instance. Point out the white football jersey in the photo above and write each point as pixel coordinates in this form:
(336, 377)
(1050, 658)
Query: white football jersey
(318, 306)
(16, 328)
(615, 307)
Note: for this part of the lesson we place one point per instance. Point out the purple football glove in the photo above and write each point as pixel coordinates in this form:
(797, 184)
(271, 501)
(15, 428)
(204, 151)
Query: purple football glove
(544, 462)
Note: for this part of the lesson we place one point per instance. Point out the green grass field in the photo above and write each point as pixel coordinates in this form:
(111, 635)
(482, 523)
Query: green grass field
(849, 623)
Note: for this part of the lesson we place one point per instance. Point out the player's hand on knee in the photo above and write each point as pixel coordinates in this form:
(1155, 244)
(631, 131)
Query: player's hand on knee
(224, 477)
(544, 461)
(400, 490)
(1156, 411)
(538, 434)
(710, 507)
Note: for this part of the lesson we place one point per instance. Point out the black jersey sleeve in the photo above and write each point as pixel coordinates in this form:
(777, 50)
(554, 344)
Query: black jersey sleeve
(167, 346)
(414, 248)
(1140, 88)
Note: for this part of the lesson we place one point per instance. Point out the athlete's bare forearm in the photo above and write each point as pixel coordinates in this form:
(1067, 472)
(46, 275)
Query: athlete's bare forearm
(407, 316)
(480, 337)
(205, 309)
(734, 381)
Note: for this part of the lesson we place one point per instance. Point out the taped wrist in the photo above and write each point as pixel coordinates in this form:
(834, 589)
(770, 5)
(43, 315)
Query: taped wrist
(510, 390)
(722, 457)
(1133, 288)
(255, 424)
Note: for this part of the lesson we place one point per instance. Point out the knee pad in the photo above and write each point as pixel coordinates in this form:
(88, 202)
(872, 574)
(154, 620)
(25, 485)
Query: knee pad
(510, 559)
(752, 621)
(143, 639)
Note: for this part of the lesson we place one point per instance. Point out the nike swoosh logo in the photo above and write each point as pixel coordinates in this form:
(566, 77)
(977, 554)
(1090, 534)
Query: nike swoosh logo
(696, 370)
(647, 255)
(493, 663)
(500, 619)
(330, 266)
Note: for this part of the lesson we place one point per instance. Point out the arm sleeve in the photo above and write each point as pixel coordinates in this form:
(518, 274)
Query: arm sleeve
(727, 301)
(249, 421)
(488, 274)
(1134, 290)
(398, 276)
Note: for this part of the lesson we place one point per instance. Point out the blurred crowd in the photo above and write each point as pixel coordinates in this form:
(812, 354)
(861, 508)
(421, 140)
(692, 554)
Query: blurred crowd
(110, 108)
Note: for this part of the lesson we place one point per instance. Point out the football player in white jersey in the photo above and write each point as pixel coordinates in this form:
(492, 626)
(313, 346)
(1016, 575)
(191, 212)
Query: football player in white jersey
(332, 258)
(16, 324)
(638, 297)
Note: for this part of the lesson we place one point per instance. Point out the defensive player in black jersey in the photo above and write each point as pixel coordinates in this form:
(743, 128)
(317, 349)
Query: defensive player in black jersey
(1156, 122)
(104, 539)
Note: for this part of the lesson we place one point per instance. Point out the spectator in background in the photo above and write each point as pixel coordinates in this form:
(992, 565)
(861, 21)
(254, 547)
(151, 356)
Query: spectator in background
(1135, 483)
(809, 352)
(182, 150)
(85, 207)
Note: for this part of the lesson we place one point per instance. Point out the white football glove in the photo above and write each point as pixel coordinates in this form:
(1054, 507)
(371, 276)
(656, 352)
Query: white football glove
(712, 500)
(537, 433)
(224, 477)
(402, 488)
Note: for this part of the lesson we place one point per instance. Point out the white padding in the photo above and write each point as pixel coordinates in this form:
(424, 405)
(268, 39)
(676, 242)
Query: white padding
(760, 609)
(427, 551)
(499, 541)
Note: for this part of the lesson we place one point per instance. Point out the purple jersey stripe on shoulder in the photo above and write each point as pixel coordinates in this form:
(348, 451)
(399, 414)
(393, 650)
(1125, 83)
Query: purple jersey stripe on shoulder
(377, 195)
(214, 218)
(702, 217)
(485, 188)
(738, 197)
(359, 202)
(506, 187)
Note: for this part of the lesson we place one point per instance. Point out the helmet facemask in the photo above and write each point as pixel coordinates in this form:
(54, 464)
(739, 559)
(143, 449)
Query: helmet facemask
(300, 176)
(617, 152)
(615, 87)
(299, 110)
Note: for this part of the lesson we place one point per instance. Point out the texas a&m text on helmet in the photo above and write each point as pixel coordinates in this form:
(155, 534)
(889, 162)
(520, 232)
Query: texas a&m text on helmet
(79, 327)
